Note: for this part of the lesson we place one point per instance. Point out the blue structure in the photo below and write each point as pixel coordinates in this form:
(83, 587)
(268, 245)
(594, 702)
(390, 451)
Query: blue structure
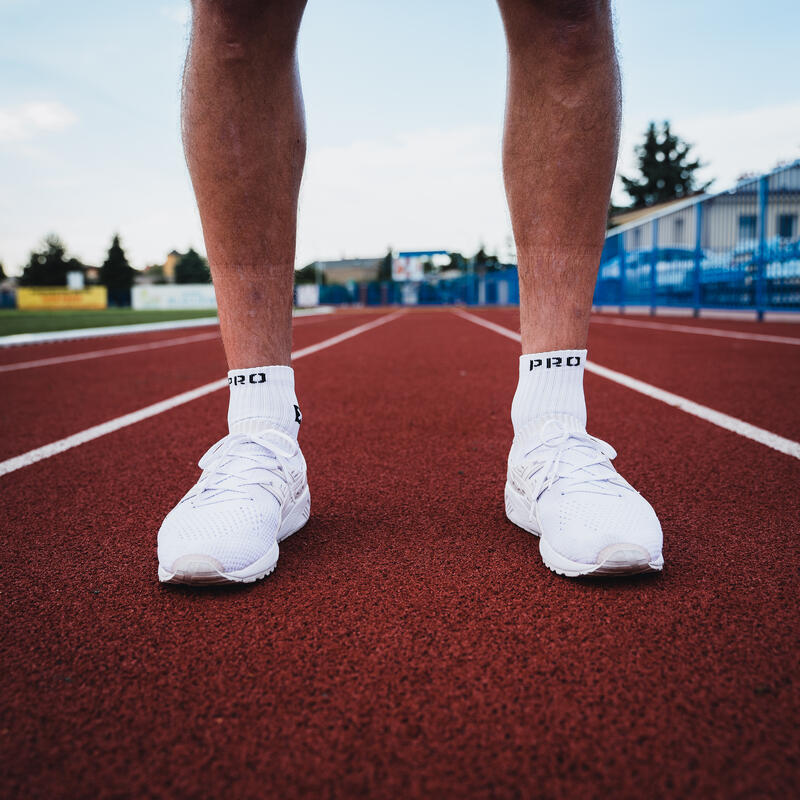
(493, 288)
(738, 249)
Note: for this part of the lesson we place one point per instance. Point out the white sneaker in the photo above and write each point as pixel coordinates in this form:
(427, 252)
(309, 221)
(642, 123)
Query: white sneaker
(562, 487)
(252, 494)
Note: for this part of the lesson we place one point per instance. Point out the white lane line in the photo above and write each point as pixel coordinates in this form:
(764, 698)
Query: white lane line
(111, 351)
(95, 432)
(132, 348)
(45, 337)
(665, 326)
(729, 423)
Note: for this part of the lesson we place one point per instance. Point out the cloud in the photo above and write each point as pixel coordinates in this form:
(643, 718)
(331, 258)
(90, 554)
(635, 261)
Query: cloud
(177, 13)
(730, 143)
(23, 122)
(437, 189)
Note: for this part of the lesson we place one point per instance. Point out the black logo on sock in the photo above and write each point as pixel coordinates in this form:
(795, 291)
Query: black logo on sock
(253, 377)
(298, 417)
(555, 361)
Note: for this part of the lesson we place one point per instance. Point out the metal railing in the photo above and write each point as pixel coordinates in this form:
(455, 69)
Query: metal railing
(737, 249)
(492, 288)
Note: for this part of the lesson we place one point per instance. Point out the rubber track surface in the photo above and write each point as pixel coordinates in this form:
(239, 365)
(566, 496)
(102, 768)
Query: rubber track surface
(410, 643)
(47, 403)
(755, 381)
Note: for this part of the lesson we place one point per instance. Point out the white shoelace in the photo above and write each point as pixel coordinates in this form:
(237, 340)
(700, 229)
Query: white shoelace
(239, 462)
(578, 461)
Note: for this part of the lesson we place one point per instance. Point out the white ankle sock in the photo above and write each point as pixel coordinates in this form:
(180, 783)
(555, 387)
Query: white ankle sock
(263, 397)
(549, 383)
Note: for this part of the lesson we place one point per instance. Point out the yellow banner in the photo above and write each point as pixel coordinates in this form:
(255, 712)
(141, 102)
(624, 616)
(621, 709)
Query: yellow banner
(54, 297)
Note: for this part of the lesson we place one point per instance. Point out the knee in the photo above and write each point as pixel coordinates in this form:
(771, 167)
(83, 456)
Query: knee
(241, 20)
(572, 28)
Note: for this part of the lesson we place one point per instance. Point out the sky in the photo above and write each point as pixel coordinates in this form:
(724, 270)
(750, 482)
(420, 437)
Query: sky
(404, 104)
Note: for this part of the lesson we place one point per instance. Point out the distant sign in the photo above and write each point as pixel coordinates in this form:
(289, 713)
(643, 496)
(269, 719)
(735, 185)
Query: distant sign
(409, 265)
(184, 295)
(407, 268)
(55, 297)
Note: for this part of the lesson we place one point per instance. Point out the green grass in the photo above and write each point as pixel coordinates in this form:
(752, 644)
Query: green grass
(12, 321)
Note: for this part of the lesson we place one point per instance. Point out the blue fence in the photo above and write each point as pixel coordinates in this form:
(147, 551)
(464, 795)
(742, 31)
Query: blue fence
(492, 288)
(736, 249)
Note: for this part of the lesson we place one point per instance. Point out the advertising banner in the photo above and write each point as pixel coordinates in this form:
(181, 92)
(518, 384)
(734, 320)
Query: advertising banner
(33, 298)
(407, 268)
(184, 295)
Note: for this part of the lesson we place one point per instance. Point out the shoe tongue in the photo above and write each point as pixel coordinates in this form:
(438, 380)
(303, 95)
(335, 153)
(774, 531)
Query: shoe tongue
(549, 424)
(248, 460)
(276, 438)
(578, 454)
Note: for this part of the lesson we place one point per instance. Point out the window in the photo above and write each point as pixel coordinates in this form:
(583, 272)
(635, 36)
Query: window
(677, 231)
(747, 226)
(787, 226)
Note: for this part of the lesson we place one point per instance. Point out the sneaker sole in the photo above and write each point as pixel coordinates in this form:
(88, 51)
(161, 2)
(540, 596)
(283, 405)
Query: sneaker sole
(616, 560)
(203, 570)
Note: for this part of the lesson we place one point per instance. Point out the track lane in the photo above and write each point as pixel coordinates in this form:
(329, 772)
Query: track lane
(770, 328)
(13, 354)
(43, 405)
(410, 641)
(757, 382)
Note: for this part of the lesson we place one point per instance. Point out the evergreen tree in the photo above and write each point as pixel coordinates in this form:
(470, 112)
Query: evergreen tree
(385, 267)
(457, 261)
(116, 272)
(2, 272)
(484, 262)
(49, 266)
(192, 268)
(667, 173)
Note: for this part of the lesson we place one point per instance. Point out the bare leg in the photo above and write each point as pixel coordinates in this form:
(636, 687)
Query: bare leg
(244, 136)
(559, 155)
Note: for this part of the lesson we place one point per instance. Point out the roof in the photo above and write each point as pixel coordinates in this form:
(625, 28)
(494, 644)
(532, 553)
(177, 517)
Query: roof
(654, 212)
(631, 215)
(349, 263)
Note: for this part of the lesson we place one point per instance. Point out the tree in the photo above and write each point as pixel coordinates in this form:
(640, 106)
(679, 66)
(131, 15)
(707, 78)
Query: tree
(457, 261)
(2, 272)
(116, 272)
(308, 274)
(667, 173)
(385, 267)
(192, 268)
(484, 262)
(49, 266)
(156, 273)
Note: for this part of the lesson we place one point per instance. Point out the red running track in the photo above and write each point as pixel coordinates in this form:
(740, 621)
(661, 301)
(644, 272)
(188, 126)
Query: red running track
(410, 641)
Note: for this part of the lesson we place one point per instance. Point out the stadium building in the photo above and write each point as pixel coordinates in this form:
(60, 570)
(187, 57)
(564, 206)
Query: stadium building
(733, 249)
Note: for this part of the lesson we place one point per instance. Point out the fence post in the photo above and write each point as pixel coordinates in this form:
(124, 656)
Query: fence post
(698, 258)
(761, 259)
(623, 258)
(653, 270)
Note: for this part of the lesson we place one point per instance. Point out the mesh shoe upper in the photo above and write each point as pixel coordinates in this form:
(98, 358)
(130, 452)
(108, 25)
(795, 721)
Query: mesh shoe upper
(579, 503)
(234, 512)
